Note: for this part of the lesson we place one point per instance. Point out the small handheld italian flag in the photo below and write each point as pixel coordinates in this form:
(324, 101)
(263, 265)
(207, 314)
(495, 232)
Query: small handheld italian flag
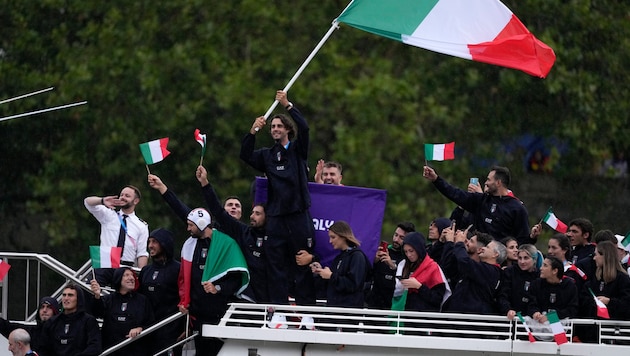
(555, 223)
(556, 328)
(439, 151)
(626, 240)
(201, 139)
(529, 332)
(105, 256)
(154, 151)
(602, 310)
(4, 269)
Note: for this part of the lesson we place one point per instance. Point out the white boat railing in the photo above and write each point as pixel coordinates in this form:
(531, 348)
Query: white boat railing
(373, 332)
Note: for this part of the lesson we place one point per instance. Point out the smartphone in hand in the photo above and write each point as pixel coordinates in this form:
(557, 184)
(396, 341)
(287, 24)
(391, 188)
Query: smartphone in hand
(383, 246)
(474, 181)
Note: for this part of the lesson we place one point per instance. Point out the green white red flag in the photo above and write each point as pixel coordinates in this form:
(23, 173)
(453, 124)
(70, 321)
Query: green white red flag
(201, 139)
(4, 269)
(479, 30)
(439, 151)
(555, 223)
(626, 240)
(602, 310)
(105, 256)
(530, 336)
(154, 151)
(556, 328)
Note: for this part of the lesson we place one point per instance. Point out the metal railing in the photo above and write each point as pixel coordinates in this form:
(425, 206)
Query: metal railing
(66, 275)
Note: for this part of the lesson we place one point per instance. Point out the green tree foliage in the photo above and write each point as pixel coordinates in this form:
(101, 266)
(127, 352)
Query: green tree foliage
(157, 69)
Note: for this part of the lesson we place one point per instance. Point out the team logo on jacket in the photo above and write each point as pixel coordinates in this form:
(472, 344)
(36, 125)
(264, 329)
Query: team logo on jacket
(309, 242)
(601, 286)
(259, 241)
(552, 298)
(526, 286)
(155, 274)
(123, 307)
(278, 156)
(493, 208)
(66, 328)
(204, 252)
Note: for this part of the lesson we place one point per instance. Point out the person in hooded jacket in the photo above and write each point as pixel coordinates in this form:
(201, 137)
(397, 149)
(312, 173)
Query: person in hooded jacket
(73, 331)
(420, 282)
(48, 308)
(125, 313)
(158, 282)
(346, 278)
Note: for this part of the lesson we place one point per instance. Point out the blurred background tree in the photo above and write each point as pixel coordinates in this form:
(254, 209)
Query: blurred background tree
(155, 69)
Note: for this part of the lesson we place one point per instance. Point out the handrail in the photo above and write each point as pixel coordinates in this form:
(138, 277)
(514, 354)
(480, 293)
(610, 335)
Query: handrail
(183, 341)
(143, 333)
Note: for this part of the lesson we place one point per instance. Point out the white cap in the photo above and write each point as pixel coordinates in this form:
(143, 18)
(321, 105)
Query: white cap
(620, 245)
(200, 217)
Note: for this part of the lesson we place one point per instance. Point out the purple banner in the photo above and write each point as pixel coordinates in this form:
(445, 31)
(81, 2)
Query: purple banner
(362, 208)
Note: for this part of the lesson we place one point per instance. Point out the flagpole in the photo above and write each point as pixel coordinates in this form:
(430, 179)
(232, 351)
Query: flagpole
(332, 28)
(148, 171)
(27, 95)
(43, 110)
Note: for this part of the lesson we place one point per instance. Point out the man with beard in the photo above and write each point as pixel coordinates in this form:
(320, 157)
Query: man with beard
(204, 287)
(289, 223)
(328, 172)
(48, 307)
(495, 211)
(158, 282)
(250, 237)
(384, 268)
(73, 332)
(478, 283)
(122, 228)
(125, 313)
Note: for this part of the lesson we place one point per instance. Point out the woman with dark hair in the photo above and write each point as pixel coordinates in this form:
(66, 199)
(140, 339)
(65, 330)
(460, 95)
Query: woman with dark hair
(511, 244)
(611, 284)
(420, 282)
(350, 270)
(552, 291)
(559, 246)
(516, 280)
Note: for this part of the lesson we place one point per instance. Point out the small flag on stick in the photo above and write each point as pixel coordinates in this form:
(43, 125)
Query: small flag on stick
(529, 332)
(556, 328)
(626, 240)
(555, 223)
(439, 151)
(105, 256)
(154, 151)
(4, 269)
(602, 310)
(201, 139)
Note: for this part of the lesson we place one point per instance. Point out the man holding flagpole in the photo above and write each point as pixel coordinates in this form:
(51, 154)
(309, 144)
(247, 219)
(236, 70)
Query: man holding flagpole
(120, 227)
(289, 223)
(495, 211)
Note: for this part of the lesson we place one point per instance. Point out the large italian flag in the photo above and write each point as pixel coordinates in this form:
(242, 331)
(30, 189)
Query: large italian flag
(479, 30)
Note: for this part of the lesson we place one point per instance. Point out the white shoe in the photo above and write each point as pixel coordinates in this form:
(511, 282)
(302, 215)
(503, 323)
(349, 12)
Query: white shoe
(278, 321)
(307, 323)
